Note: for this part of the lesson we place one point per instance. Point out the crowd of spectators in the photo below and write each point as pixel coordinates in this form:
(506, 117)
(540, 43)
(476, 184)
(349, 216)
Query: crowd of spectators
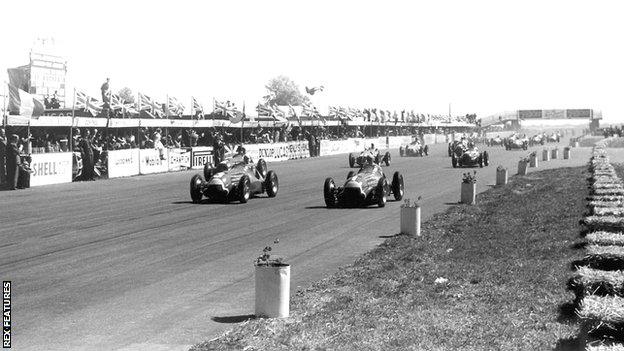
(612, 130)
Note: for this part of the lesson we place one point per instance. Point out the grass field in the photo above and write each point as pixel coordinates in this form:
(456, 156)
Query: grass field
(501, 269)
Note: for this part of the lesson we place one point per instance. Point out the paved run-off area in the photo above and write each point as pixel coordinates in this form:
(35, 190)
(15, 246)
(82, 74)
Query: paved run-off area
(132, 264)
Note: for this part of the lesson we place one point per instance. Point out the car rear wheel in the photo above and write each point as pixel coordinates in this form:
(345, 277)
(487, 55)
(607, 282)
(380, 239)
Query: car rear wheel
(243, 191)
(486, 158)
(426, 150)
(454, 161)
(381, 192)
(272, 184)
(351, 160)
(350, 175)
(196, 184)
(387, 158)
(398, 188)
(329, 193)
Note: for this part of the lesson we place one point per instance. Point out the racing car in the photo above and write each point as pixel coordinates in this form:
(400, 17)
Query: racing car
(516, 142)
(498, 141)
(235, 178)
(469, 157)
(553, 138)
(415, 148)
(366, 187)
(537, 139)
(368, 155)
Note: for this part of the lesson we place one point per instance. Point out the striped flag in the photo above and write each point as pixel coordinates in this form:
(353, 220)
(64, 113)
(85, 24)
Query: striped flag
(23, 103)
(117, 103)
(86, 102)
(294, 113)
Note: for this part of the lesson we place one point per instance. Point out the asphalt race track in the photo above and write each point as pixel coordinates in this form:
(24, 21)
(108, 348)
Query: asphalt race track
(132, 264)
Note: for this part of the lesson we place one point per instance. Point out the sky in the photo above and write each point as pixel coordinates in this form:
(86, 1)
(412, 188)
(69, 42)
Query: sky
(478, 56)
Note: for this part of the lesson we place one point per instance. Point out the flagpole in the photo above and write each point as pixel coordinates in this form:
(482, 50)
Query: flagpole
(4, 116)
(71, 129)
(242, 124)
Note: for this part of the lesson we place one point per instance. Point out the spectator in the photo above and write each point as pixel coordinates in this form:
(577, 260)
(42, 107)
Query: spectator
(86, 148)
(12, 162)
(54, 102)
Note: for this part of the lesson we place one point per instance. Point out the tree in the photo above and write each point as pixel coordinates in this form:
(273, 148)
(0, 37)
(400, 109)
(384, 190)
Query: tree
(126, 95)
(283, 91)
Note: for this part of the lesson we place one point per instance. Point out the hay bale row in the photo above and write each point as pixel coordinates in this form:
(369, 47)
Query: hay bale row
(599, 279)
(605, 238)
(603, 314)
(589, 281)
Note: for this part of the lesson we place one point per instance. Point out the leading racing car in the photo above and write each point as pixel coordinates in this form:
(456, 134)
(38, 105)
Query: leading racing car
(368, 186)
(235, 178)
(371, 155)
(415, 148)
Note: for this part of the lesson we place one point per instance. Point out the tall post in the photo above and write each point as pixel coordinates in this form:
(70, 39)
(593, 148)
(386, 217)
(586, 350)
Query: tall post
(4, 115)
(71, 128)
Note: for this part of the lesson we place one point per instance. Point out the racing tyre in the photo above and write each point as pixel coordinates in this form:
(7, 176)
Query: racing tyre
(208, 171)
(271, 184)
(350, 175)
(398, 188)
(486, 158)
(329, 193)
(454, 161)
(381, 192)
(426, 149)
(387, 158)
(525, 146)
(351, 160)
(481, 160)
(262, 167)
(242, 189)
(401, 152)
(196, 183)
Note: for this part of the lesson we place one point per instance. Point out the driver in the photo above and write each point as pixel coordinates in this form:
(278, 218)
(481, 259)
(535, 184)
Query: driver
(242, 153)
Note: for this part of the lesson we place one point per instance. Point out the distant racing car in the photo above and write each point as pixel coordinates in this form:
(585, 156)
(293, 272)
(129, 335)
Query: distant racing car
(235, 178)
(415, 148)
(371, 155)
(497, 141)
(469, 157)
(516, 142)
(366, 187)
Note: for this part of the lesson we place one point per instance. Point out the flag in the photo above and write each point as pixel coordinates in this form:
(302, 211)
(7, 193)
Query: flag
(272, 111)
(197, 107)
(117, 103)
(147, 103)
(294, 113)
(85, 102)
(227, 110)
(23, 103)
(174, 107)
(237, 116)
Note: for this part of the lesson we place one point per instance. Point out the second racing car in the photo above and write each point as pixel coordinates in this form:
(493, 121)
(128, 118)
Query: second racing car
(415, 148)
(370, 155)
(366, 187)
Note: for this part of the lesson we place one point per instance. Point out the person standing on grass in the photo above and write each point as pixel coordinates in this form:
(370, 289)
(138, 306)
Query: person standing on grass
(12, 162)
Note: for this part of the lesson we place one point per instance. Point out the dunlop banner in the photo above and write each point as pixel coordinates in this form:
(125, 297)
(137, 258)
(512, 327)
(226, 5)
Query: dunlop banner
(278, 151)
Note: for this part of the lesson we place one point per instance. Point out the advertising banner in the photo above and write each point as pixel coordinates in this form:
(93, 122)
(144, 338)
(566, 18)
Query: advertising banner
(440, 139)
(201, 155)
(179, 159)
(278, 151)
(397, 141)
(153, 161)
(123, 163)
(51, 168)
(334, 147)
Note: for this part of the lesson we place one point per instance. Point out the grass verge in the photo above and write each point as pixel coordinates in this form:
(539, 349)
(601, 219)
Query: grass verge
(505, 264)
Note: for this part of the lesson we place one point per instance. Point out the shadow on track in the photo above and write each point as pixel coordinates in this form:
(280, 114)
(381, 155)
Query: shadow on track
(233, 319)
